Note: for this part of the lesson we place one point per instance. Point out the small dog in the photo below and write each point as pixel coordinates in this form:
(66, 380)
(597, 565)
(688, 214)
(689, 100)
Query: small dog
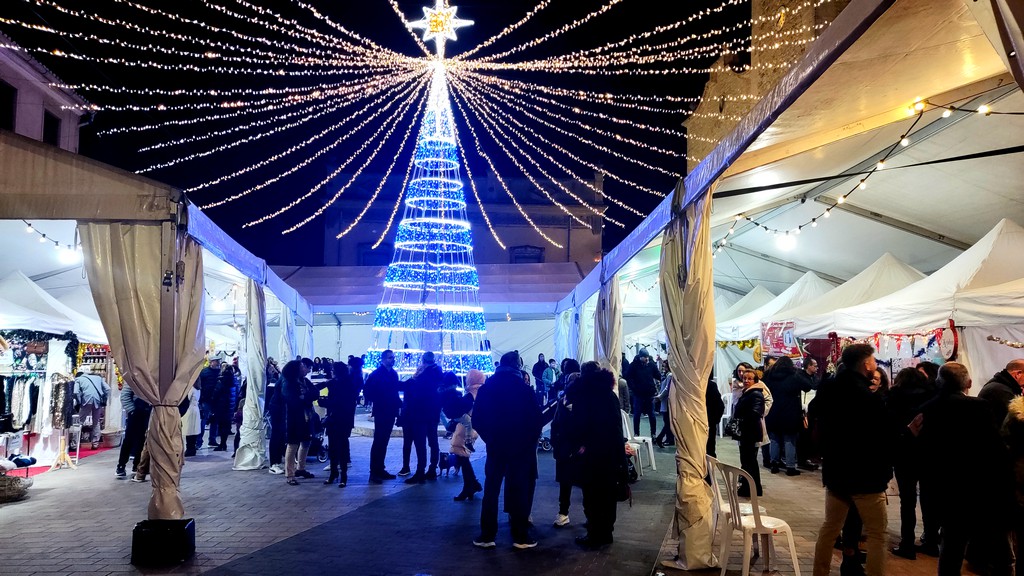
(448, 464)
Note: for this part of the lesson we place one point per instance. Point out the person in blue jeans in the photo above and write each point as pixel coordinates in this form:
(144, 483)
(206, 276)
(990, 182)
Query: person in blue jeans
(785, 420)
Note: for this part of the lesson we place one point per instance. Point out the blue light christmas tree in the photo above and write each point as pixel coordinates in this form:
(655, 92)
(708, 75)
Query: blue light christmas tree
(431, 289)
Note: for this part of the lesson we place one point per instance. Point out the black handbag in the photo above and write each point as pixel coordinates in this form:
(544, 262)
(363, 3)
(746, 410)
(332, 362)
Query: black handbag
(623, 492)
(734, 427)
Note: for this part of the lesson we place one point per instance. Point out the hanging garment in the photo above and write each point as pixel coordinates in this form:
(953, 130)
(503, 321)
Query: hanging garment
(62, 402)
(19, 402)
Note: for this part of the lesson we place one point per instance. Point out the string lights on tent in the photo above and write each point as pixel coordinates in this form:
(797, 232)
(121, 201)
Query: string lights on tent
(67, 253)
(786, 238)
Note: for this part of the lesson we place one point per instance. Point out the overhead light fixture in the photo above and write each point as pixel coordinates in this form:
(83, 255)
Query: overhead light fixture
(785, 242)
(984, 109)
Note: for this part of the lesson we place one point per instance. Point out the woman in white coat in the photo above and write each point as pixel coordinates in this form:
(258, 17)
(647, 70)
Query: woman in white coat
(191, 422)
(462, 442)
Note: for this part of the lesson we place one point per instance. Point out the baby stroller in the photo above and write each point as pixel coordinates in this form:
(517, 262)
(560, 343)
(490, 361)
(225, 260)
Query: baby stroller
(317, 438)
(547, 413)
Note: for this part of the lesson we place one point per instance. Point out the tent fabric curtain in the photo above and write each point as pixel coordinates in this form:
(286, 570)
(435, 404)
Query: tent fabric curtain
(563, 329)
(1009, 15)
(126, 264)
(251, 447)
(287, 346)
(306, 342)
(572, 339)
(687, 304)
(585, 337)
(608, 327)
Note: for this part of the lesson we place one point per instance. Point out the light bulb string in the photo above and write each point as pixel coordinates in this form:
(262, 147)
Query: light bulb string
(484, 110)
(487, 123)
(408, 93)
(505, 31)
(813, 222)
(405, 24)
(31, 228)
(578, 159)
(497, 175)
(391, 124)
(512, 102)
(282, 127)
(354, 86)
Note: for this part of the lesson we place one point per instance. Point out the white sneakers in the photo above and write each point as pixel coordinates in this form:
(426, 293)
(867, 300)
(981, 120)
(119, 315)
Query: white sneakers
(276, 469)
(561, 520)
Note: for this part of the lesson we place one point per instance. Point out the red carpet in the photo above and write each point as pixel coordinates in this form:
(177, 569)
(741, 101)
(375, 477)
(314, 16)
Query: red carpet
(37, 470)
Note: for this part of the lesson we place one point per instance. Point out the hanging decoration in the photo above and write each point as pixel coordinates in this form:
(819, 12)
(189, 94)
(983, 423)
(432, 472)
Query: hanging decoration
(1010, 343)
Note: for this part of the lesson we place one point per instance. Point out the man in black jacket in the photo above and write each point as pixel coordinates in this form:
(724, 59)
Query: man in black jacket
(856, 464)
(508, 420)
(420, 416)
(1002, 388)
(538, 372)
(209, 377)
(382, 390)
(974, 501)
(643, 378)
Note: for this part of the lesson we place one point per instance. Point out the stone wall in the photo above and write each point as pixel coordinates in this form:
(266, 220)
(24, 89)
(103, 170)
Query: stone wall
(729, 95)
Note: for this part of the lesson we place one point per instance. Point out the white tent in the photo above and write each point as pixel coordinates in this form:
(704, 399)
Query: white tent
(887, 275)
(727, 357)
(929, 303)
(748, 326)
(17, 288)
(653, 334)
(15, 317)
(753, 300)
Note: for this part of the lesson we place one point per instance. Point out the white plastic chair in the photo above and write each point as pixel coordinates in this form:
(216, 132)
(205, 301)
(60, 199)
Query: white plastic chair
(752, 524)
(727, 400)
(645, 440)
(637, 460)
(720, 506)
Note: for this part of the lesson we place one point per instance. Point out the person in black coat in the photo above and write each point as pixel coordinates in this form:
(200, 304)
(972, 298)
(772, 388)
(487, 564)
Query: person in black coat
(598, 447)
(750, 410)
(225, 398)
(1004, 386)
(715, 409)
(909, 393)
(786, 418)
(208, 379)
(381, 390)
(297, 399)
(561, 443)
(856, 458)
(643, 378)
(507, 418)
(974, 501)
(420, 415)
(341, 400)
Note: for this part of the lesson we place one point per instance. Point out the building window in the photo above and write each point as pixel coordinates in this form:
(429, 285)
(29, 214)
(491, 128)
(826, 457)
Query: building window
(526, 255)
(8, 105)
(379, 257)
(51, 128)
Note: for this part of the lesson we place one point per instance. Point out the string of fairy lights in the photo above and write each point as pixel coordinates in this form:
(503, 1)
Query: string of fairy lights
(787, 237)
(67, 252)
(313, 86)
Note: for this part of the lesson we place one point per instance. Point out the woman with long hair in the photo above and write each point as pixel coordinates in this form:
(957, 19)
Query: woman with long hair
(750, 410)
(296, 397)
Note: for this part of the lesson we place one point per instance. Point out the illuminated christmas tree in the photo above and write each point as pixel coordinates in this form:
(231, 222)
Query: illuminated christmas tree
(431, 289)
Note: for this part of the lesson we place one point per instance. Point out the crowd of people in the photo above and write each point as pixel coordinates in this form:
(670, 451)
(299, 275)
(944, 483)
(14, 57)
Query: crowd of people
(860, 428)
(921, 429)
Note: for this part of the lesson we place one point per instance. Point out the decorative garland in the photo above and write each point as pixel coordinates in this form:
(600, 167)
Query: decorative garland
(26, 336)
(741, 344)
(1010, 343)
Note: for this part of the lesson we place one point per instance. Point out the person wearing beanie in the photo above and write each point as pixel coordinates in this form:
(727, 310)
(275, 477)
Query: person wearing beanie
(508, 419)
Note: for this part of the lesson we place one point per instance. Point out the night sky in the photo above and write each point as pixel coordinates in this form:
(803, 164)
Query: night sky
(373, 19)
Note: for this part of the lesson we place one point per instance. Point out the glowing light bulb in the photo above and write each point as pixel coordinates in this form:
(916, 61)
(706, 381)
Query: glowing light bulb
(68, 255)
(841, 199)
(828, 213)
(814, 223)
(947, 112)
(881, 164)
(42, 238)
(29, 229)
(218, 305)
(904, 142)
(984, 109)
(863, 184)
(732, 230)
(918, 106)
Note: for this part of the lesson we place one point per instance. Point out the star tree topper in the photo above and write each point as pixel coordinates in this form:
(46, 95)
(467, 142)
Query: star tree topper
(439, 24)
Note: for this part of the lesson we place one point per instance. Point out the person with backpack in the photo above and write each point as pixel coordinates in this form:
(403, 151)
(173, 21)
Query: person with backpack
(91, 392)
